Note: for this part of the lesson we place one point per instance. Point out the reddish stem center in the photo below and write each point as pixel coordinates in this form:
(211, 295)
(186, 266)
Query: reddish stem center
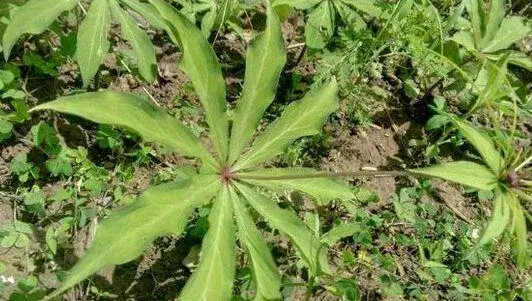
(227, 175)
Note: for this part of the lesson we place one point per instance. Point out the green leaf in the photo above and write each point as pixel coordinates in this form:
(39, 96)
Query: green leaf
(5, 126)
(92, 39)
(515, 58)
(493, 20)
(436, 122)
(148, 12)
(340, 231)
(265, 275)
(520, 232)
(301, 118)
(350, 16)
(320, 25)
(323, 190)
(495, 87)
(500, 217)
(299, 4)
(477, 15)
(311, 249)
(213, 280)
(60, 165)
(265, 59)
(482, 144)
(464, 38)
(33, 17)
(207, 22)
(139, 41)
(159, 211)
(520, 59)
(366, 6)
(512, 30)
(135, 113)
(462, 172)
(200, 64)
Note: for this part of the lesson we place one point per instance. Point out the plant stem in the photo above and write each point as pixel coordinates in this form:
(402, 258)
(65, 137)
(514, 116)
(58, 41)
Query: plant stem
(352, 174)
(523, 164)
(526, 183)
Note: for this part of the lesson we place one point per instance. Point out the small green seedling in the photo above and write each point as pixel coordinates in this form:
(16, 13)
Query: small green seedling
(499, 174)
(228, 180)
(491, 34)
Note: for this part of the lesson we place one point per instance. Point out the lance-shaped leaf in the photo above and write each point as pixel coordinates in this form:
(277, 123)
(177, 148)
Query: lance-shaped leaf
(301, 118)
(139, 41)
(148, 12)
(493, 20)
(482, 144)
(311, 249)
(159, 211)
(265, 59)
(477, 15)
(340, 231)
(462, 172)
(512, 30)
(265, 275)
(465, 38)
(92, 39)
(366, 6)
(322, 189)
(213, 280)
(500, 217)
(134, 113)
(520, 233)
(201, 65)
(320, 25)
(33, 17)
(514, 57)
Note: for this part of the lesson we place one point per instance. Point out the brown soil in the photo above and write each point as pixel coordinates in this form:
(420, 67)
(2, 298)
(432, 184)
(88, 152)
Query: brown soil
(380, 146)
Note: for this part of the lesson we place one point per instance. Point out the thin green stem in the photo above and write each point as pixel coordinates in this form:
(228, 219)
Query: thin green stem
(526, 183)
(352, 174)
(525, 163)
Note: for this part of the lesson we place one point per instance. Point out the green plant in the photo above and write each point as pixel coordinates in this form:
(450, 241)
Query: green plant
(15, 109)
(212, 13)
(226, 180)
(35, 17)
(491, 34)
(321, 22)
(16, 235)
(501, 174)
